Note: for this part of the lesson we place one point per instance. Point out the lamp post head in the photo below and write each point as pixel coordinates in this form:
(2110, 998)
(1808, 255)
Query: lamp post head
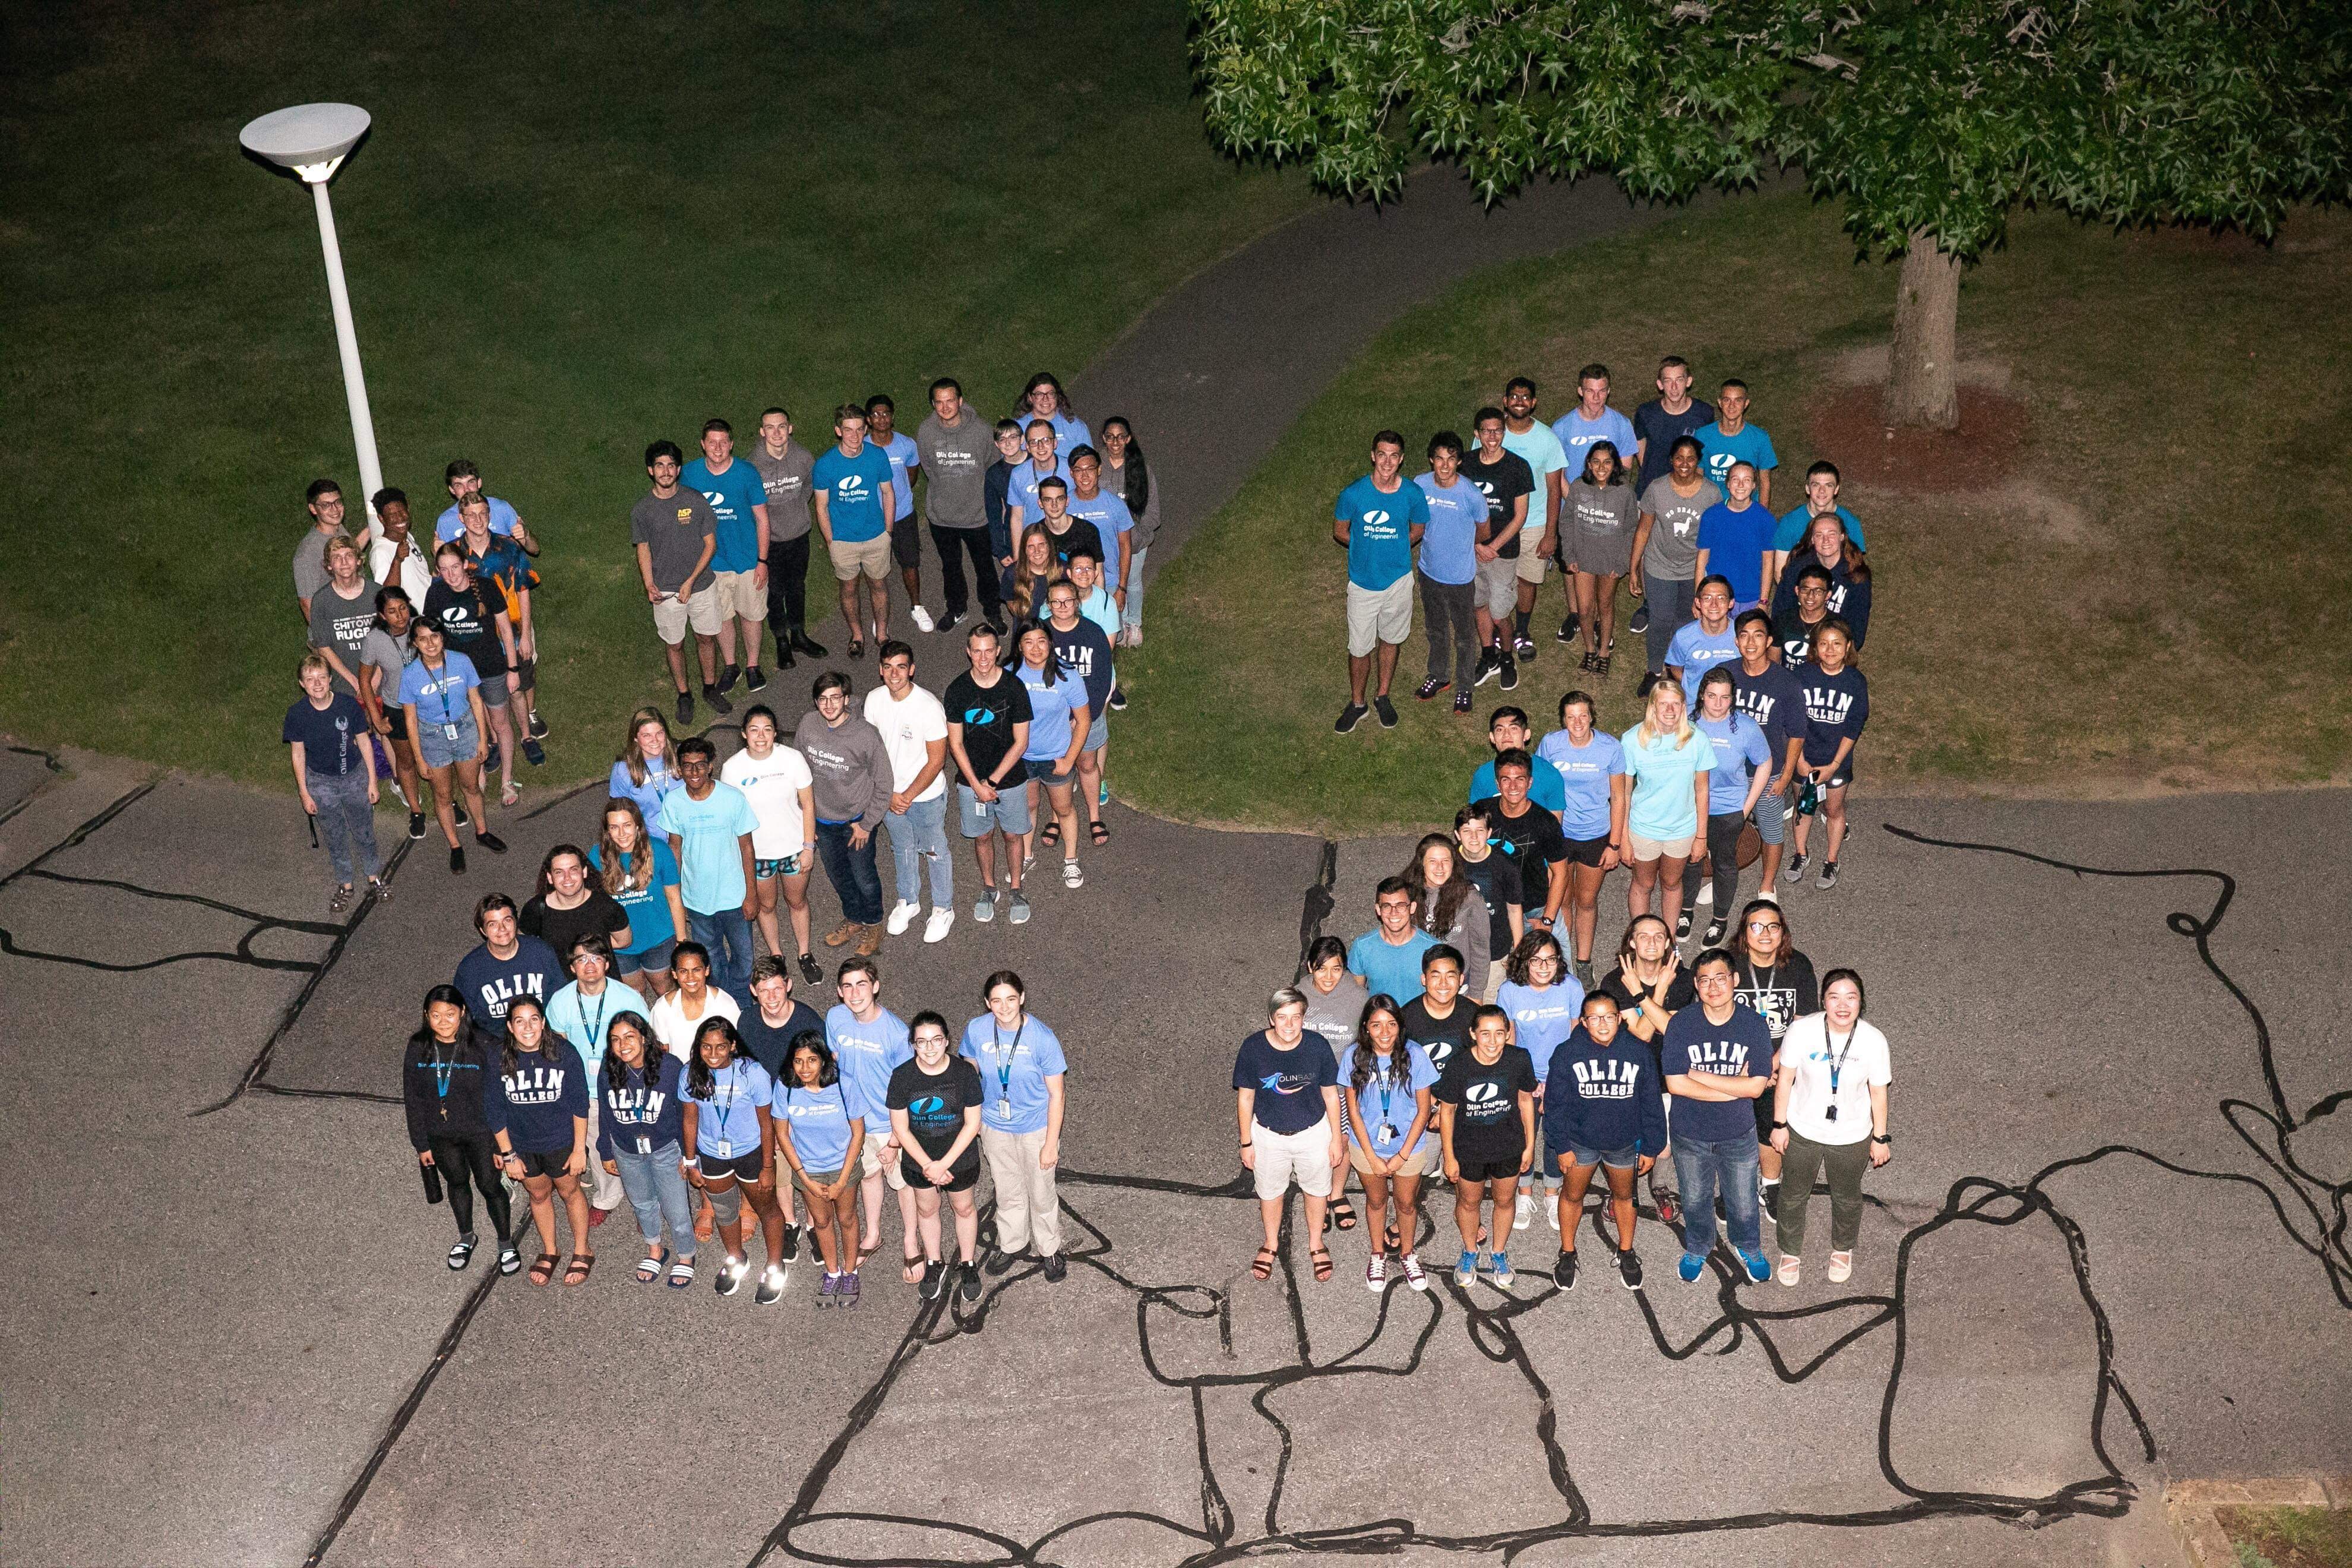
(311, 139)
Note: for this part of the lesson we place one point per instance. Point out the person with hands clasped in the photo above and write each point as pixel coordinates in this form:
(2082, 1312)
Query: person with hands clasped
(1388, 1114)
(445, 1079)
(934, 1103)
(1718, 1057)
(1602, 1112)
(1021, 1071)
(641, 1139)
(536, 1104)
(1487, 1120)
(727, 1125)
(1830, 1114)
(1287, 1095)
(822, 1136)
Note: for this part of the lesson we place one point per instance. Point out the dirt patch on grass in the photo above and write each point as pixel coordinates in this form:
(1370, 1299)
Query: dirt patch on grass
(1980, 455)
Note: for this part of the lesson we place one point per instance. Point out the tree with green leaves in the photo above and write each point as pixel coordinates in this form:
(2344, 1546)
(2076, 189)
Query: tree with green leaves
(1930, 120)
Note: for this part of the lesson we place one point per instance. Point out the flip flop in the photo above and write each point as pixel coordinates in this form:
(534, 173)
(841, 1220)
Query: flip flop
(682, 1275)
(1343, 1213)
(912, 1272)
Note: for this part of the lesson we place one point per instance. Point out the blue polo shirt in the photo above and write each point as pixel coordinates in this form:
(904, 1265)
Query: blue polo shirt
(853, 490)
(731, 495)
(1380, 530)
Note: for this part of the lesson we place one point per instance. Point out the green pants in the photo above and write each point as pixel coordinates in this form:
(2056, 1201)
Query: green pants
(1845, 1164)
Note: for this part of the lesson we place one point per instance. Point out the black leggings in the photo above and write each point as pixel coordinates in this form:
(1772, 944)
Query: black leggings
(1723, 849)
(457, 1159)
(954, 544)
(788, 563)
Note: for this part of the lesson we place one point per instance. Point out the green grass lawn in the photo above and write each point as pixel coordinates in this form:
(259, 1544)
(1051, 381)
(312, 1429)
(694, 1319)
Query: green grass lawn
(2152, 598)
(2289, 1537)
(574, 228)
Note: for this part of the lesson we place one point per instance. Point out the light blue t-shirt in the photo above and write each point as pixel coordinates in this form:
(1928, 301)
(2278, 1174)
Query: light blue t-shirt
(867, 1055)
(1449, 546)
(727, 1125)
(1389, 1098)
(1789, 533)
(1664, 805)
(1111, 518)
(1718, 451)
(582, 1020)
(1013, 1071)
(1380, 530)
(661, 781)
(1394, 969)
(1021, 491)
(1586, 772)
(818, 1119)
(1069, 433)
(905, 459)
(1735, 542)
(1695, 650)
(1541, 449)
(502, 521)
(1740, 748)
(1545, 786)
(440, 697)
(1576, 433)
(853, 490)
(1055, 694)
(1542, 1018)
(731, 495)
(710, 858)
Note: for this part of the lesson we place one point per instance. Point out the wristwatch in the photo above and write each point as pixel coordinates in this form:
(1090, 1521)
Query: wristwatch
(1882, 1138)
(1780, 1127)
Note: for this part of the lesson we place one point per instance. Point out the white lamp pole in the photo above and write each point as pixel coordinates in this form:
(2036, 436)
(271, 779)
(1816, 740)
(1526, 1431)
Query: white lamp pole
(312, 140)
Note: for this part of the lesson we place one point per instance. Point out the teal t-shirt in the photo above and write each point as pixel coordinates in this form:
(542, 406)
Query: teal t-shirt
(1790, 533)
(1380, 530)
(853, 490)
(1664, 805)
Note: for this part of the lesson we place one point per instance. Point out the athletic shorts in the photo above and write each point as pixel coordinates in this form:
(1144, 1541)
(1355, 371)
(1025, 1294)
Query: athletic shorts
(1047, 771)
(1278, 1158)
(906, 540)
(1009, 810)
(1772, 817)
(1838, 780)
(1377, 616)
(1586, 851)
(1660, 848)
(440, 752)
(1419, 1164)
(654, 957)
(1624, 1159)
(963, 1178)
(871, 1164)
(395, 722)
(767, 871)
(699, 610)
(549, 1162)
(853, 559)
(1532, 567)
(1764, 1114)
(744, 1168)
(740, 597)
(1490, 1170)
(1497, 586)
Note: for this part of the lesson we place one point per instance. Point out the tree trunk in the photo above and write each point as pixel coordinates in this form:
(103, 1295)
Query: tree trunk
(1922, 384)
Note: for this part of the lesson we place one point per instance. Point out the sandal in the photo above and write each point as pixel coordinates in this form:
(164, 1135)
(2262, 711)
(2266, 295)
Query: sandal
(1052, 833)
(342, 901)
(1791, 1268)
(577, 1272)
(913, 1272)
(510, 792)
(1322, 1262)
(462, 1254)
(649, 1268)
(856, 647)
(1600, 665)
(1391, 1240)
(1262, 1266)
(1841, 1268)
(682, 1275)
(542, 1268)
(1101, 833)
(1343, 1213)
(1585, 663)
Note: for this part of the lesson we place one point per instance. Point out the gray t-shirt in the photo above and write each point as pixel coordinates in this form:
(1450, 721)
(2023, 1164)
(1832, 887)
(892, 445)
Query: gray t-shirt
(1147, 521)
(786, 480)
(675, 530)
(344, 623)
(310, 564)
(1672, 554)
(1335, 1016)
(957, 461)
(387, 656)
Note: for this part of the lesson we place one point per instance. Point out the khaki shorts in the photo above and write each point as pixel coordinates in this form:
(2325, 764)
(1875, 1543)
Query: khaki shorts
(740, 597)
(1282, 1158)
(1499, 586)
(865, 558)
(870, 1161)
(1659, 848)
(1414, 1165)
(1377, 616)
(699, 611)
(1532, 567)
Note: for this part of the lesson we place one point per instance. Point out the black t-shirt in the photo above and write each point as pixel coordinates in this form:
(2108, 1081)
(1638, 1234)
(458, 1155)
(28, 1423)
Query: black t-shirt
(1486, 1124)
(1657, 430)
(1496, 878)
(560, 928)
(769, 1045)
(1442, 1038)
(987, 714)
(1780, 993)
(1080, 535)
(467, 620)
(1534, 842)
(1796, 638)
(1502, 483)
(934, 1104)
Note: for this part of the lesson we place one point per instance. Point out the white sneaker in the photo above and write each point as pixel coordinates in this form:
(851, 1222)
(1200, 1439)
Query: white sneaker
(902, 915)
(922, 618)
(936, 928)
(1551, 1210)
(1523, 1213)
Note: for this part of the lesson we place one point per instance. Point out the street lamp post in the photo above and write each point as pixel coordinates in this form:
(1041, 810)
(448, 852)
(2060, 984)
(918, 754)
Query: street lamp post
(312, 140)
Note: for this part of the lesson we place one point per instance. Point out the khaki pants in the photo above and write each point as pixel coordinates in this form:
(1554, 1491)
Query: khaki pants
(604, 1187)
(1027, 1211)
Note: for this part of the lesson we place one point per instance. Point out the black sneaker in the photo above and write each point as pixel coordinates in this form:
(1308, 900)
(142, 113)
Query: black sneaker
(934, 1282)
(727, 678)
(1714, 937)
(1431, 688)
(1349, 717)
(685, 709)
(533, 753)
(1524, 648)
(1794, 871)
(999, 1260)
(810, 971)
(1462, 702)
(491, 842)
(416, 825)
(1490, 665)
(1563, 1273)
(771, 1286)
(952, 620)
(968, 1281)
(804, 643)
(456, 858)
(1629, 1268)
(1510, 673)
(1584, 972)
(716, 703)
(1683, 923)
(730, 1275)
(1118, 699)
(1641, 621)
(537, 727)
(1386, 709)
(463, 820)
(754, 679)
(1828, 878)
(1056, 1265)
(1568, 627)
(791, 1250)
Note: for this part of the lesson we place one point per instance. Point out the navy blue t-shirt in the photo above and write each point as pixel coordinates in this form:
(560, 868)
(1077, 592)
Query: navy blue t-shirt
(536, 1103)
(768, 1045)
(1084, 652)
(1657, 430)
(331, 736)
(1289, 1084)
(1739, 1048)
(1775, 700)
(491, 984)
(645, 1113)
(1836, 707)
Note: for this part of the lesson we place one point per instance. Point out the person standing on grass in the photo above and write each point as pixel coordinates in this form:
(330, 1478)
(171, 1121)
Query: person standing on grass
(1716, 1057)
(1744, 765)
(738, 562)
(855, 503)
(1794, 526)
(536, 1104)
(1543, 999)
(1837, 707)
(1387, 957)
(821, 1134)
(1386, 1082)
(906, 535)
(1089, 502)
(1704, 643)
(341, 614)
(584, 1012)
(326, 735)
(777, 782)
(1829, 554)
(1664, 808)
(710, 827)
(1082, 651)
(1592, 765)
(935, 1100)
(1598, 515)
(1486, 1124)
(396, 557)
(1378, 521)
(1732, 439)
(1448, 566)
(476, 624)
(786, 468)
(1504, 478)
(1058, 722)
(441, 703)
(498, 564)
(1530, 835)
(444, 1082)
(956, 449)
(641, 876)
(868, 1041)
(1664, 420)
(675, 534)
(507, 966)
(850, 768)
(1287, 1095)
(1534, 445)
(988, 730)
(324, 501)
(1665, 547)
(729, 1124)
(463, 478)
(641, 1142)
(1022, 1069)
(1830, 1116)
(1592, 421)
(1101, 610)
(1126, 476)
(1507, 730)
(914, 730)
(1734, 541)
(1776, 983)
(386, 654)
(1603, 1111)
(1768, 692)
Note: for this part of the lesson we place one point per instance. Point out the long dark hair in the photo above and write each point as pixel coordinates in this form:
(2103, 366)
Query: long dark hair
(1616, 464)
(1061, 399)
(1138, 477)
(699, 1083)
(509, 1054)
(1738, 943)
(469, 1042)
(829, 1071)
(1361, 1077)
(617, 1075)
(1439, 915)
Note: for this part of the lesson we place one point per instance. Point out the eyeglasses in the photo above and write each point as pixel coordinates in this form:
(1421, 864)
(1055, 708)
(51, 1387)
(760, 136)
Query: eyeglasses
(1764, 925)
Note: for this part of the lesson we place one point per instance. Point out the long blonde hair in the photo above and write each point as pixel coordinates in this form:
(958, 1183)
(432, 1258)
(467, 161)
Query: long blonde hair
(1667, 688)
(1028, 588)
(625, 871)
(633, 756)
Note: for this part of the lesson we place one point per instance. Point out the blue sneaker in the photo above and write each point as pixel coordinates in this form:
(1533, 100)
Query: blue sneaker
(1466, 1269)
(1758, 1269)
(1691, 1268)
(1498, 1272)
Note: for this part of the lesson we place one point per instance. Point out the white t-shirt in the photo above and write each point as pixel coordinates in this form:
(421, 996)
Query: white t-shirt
(773, 787)
(415, 572)
(671, 1027)
(1861, 1062)
(907, 729)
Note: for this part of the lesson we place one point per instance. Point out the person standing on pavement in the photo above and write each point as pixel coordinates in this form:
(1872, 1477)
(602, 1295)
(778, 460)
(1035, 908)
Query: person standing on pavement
(988, 731)
(1058, 722)
(868, 1041)
(444, 1077)
(506, 967)
(1765, 689)
(1544, 999)
(1504, 478)
(710, 827)
(1126, 476)
(441, 705)
(1287, 1092)
(739, 506)
(474, 622)
(956, 447)
(1378, 521)
(1022, 1069)
(1385, 1081)
(1837, 707)
(1082, 649)
(537, 1107)
(851, 768)
(728, 1125)
(1718, 1059)
(1602, 1111)
(1487, 1127)
(326, 735)
(1388, 958)
(784, 467)
(906, 537)
(1776, 983)
(584, 1012)
(821, 1134)
(1107, 510)
(1335, 998)
(914, 730)
(1662, 812)
(1496, 875)
(1830, 1116)
(567, 905)
(1530, 835)
(1591, 765)
(675, 534)
(855, 503)
(935, 1107)
(641, 1144)
(1447, 563)
(777, 782)
(640, 874)
(1742, 771)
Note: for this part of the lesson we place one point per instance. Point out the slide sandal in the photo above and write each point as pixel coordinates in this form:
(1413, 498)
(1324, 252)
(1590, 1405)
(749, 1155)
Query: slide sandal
(1263, 1264)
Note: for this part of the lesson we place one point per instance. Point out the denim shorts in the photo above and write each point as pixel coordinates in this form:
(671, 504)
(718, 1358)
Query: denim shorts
(1010, 811)
(654, 957)
(440, 750)
(1624, 1159)
(1047, 771)
(1098, 733)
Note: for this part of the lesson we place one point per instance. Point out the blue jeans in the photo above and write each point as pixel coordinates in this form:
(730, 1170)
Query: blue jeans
(657, 1191)
(854, 880)
(728, 935)
(923, 830)
(1702, 1169)
(347, 823)
(1133, 615)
